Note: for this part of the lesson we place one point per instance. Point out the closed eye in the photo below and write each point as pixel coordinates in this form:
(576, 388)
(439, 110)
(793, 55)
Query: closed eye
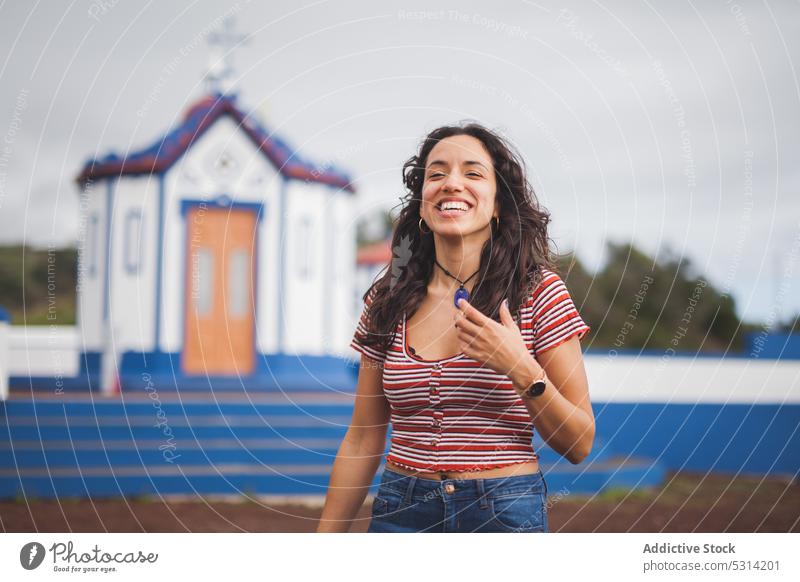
(440, 174)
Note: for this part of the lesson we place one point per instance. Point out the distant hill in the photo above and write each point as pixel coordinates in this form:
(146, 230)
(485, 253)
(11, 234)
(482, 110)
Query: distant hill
(635, 302)
(37, 286)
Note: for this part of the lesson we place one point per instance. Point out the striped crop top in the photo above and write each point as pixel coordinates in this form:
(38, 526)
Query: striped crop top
(453, 414)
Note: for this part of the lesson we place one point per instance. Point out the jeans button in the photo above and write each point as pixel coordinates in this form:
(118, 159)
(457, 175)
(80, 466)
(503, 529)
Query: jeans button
(449, 488)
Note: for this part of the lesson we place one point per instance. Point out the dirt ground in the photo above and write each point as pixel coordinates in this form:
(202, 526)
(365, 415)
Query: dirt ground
(687, 502)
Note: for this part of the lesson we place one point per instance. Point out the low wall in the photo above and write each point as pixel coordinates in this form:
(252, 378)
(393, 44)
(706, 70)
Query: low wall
(44, 350)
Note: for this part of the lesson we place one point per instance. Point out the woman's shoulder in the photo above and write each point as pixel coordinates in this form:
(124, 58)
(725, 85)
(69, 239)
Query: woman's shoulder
(371, 294)
(544, 285)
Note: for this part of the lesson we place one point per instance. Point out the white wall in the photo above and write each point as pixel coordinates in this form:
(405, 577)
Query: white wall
(44, 350)
(318, 307)
(343, 253)
(682, 379)
(307, 215)
(133, 266)
(91, 264)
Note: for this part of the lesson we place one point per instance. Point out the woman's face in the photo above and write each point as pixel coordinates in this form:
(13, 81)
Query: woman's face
(458, 192)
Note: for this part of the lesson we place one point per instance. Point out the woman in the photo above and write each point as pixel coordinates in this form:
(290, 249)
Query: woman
(463, 390)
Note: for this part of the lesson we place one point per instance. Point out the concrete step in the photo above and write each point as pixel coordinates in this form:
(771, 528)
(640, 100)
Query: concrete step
(280, 444)
(154, 453)
(178, 409)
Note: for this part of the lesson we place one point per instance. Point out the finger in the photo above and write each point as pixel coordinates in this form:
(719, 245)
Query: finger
(472, 342)
(467, 337)
(463, 323)
(471, 313)
(468, 347)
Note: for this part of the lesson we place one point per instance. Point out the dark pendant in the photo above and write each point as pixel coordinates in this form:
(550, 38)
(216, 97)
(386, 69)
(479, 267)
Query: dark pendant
(461, 293)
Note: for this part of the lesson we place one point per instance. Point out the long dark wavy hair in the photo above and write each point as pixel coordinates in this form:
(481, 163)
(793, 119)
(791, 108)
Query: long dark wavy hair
(510, 261)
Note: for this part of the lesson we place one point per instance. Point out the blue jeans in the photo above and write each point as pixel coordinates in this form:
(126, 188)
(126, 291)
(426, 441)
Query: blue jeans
(501, 504)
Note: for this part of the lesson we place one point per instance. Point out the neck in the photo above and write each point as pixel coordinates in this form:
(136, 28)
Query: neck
(461, 258)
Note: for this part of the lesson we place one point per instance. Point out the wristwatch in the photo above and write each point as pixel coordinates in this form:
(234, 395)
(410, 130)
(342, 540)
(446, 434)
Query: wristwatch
(537, 387)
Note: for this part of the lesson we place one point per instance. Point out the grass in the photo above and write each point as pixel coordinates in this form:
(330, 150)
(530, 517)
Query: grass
(616, 494)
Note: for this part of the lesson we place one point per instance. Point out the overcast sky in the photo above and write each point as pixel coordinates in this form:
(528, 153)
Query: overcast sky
(672, 125)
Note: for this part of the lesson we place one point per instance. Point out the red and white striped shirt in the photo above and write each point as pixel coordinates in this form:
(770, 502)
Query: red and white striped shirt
(453, 414)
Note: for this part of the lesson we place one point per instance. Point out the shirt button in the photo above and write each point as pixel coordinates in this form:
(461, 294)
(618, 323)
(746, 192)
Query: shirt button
(449, 488)
(434, 391)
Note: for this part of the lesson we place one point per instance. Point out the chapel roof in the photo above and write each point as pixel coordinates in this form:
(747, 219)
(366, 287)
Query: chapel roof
(159, 156)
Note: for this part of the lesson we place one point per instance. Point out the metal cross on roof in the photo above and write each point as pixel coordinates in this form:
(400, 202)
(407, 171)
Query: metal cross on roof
(222, 42)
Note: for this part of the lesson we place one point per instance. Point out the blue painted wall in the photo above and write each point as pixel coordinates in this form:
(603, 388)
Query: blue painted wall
(773, 345)
(762, 438)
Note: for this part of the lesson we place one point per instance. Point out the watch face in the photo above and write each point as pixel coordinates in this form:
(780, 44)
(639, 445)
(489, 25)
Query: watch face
(537, 388)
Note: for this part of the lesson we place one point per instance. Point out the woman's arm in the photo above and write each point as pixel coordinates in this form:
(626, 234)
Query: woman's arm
(360, 453)
(562, 414)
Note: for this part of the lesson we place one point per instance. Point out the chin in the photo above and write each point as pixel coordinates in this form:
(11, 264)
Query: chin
(455, 230)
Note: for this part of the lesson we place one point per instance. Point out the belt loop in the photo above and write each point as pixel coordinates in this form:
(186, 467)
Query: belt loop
(483, 504)
(412, 480)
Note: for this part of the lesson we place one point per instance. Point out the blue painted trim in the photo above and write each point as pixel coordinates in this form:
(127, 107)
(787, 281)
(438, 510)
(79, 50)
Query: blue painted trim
(272, 372)
(161, 155)
(759, 438)
(107, 261)
(782, 345)
(184, 290)
(221, 201)
(87, 380)
(159, 262)
(133, 262)
(280, 303)
(255, 271)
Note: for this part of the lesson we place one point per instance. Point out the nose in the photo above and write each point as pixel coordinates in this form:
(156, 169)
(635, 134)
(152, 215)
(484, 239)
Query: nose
(453, 182)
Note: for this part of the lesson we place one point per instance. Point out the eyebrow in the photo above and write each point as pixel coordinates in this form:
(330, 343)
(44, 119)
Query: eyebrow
(466, 163)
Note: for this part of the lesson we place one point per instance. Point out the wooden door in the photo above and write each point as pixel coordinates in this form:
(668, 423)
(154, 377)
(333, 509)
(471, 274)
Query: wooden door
(220, 291)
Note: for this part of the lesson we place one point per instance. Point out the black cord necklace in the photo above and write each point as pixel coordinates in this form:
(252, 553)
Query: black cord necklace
(461, 292)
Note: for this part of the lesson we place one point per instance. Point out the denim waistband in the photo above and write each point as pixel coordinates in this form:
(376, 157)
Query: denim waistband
(410, 486)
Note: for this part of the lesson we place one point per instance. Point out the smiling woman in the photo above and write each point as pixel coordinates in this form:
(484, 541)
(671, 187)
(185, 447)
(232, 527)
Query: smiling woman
(464, 400)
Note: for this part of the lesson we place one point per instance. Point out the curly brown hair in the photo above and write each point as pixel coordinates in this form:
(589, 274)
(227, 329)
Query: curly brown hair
(510, 261)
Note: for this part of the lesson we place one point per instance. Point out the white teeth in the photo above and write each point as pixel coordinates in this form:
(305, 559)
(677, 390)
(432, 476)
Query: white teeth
(454, 205)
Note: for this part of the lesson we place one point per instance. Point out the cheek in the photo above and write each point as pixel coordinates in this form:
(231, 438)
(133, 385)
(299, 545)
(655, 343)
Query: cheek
(428, 193)
(487, 201)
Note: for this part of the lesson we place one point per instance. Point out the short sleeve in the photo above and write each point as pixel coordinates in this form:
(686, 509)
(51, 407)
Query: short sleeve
(361, 332)
(554, 318)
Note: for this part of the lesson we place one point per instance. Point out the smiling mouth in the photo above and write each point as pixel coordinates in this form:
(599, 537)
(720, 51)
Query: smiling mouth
(451, 209)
